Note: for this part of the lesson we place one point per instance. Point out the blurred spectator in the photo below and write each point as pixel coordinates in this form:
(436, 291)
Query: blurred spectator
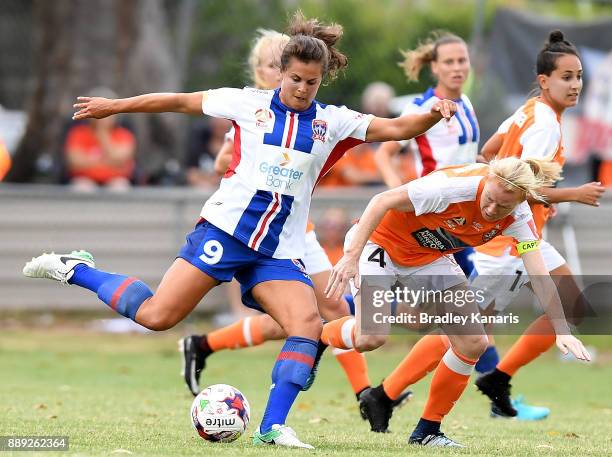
(206, 140)
(331, 230)
(357, 167)
(5, 160)
(100, 153)
(376, 99)
(595, 129)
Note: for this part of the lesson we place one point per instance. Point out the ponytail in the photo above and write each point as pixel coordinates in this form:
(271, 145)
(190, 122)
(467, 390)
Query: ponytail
(527, 175)
(311, 41)
(425, 53)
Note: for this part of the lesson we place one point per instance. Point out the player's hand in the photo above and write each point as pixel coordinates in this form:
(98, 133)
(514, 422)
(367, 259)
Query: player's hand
(569, 343)
(444, 109)
(590, 193)
(346, 269)
(93, 107)
(552, 211)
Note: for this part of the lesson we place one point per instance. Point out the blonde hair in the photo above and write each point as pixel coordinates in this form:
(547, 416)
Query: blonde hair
(426, 52)
(265, 39)
(526, 175)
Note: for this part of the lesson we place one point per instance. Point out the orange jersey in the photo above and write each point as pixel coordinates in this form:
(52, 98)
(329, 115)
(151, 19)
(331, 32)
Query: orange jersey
(82, 140)
(446, 218)
(309, 226)
(5, 161)
(534, 130)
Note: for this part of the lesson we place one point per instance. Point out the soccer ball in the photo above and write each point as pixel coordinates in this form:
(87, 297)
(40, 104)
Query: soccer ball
(220, 413)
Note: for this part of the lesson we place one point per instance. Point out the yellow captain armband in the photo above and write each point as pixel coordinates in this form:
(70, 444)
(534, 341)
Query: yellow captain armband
(527, 246)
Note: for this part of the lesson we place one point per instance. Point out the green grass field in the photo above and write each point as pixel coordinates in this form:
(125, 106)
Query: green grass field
(122, 394)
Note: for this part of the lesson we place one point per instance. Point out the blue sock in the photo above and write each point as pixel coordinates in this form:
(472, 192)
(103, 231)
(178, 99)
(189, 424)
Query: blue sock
(487, 361)
(289, 374)
(351, 303)
(425, 427)
(122, 293)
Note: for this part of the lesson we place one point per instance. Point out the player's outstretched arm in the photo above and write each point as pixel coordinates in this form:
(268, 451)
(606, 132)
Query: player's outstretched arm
(491, 148)
(347, 267)
(409, 125)
(99, 107)
(587, 194)
(546, 291)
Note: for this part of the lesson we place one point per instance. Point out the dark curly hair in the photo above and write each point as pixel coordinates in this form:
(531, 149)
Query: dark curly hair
(313, 41)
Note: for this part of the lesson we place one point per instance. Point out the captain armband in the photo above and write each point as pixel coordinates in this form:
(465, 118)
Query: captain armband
(527, 246)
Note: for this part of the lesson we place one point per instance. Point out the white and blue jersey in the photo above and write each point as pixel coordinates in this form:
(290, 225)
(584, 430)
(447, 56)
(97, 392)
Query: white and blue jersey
(446, 143)
(279, 156)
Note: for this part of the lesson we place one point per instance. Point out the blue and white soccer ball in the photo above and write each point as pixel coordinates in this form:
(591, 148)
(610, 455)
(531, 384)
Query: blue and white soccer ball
(220, 413)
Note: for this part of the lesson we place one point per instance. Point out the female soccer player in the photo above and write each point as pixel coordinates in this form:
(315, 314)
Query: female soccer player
(404, 236)
(455, 143)
(445, 144)
(264, 64)
(533, 131)
(253, 227)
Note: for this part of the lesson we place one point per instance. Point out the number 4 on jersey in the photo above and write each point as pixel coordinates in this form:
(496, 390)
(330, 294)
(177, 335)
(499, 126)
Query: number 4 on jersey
(378, 256)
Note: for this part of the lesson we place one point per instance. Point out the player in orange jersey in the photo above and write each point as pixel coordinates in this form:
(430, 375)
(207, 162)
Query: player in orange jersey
(533, 131)
(264, 62)
(405, 236)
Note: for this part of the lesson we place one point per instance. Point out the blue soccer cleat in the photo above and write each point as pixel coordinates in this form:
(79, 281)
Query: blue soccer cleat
(524, 412)
(527, 412)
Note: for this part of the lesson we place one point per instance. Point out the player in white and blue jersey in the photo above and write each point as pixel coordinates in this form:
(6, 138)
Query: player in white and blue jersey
(264, 65)
(253, 227)
(447, 143)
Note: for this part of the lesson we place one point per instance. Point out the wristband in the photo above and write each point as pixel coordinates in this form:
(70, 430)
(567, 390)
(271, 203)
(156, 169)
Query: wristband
(527, 246)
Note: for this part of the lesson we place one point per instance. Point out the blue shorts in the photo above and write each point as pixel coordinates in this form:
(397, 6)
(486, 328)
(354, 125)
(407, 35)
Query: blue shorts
(223, 257)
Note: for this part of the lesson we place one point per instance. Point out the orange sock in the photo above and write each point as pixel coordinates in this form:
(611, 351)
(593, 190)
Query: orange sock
(447, 385)
(244, 333)
(422, 358)
(340, 333)
(354, 365)
(537, 339)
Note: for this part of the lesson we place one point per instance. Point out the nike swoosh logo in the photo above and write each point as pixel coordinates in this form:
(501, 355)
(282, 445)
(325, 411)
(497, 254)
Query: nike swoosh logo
(65, 259)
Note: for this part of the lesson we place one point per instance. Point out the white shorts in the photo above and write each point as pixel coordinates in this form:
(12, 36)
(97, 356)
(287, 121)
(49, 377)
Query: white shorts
(441, 274)
(315, 259)
(502, 277)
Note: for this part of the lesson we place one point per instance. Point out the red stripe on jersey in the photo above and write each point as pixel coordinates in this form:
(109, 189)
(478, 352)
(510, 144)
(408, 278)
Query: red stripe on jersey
(427, 158)
(231, 170)
(297, 357)
(290, 132)
(263, 225)
(336, 154)
(117, 294)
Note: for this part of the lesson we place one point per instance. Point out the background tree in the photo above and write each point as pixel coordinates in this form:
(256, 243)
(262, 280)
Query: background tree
(83, 44)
